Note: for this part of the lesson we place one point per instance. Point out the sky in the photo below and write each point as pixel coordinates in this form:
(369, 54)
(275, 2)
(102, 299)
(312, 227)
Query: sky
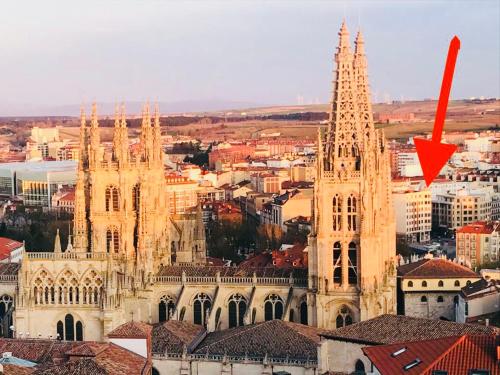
(58, 54)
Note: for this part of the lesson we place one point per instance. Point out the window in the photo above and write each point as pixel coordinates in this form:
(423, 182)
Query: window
(112, 240)
(466, 308)
(423, 299)
(66, 331)
(60, 330)
(79, 331)
(303, 312)
(6, 310)
(344, 317)
(440, 299)
(412, 364)
(398, 352)
(337, 263)
(424, 283)
(457, 283)
(359, 367)
(351, 213)
(135, 197)
(440, 283)
(112, 199)
(237, 310)
(337, 213)
(201, 307)
(353, 261)
(410, 284)
(273, 307)
(69, 328)
(166, 308)
(439, 372)
(468, 282)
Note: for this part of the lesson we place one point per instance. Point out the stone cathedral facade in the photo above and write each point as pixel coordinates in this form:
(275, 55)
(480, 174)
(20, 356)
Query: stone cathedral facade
(129, 259)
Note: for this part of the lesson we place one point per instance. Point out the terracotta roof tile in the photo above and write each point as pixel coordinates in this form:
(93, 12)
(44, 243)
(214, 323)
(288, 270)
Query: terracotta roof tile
(172, 336)
(9, 268)
(17, 370)
(275, 338)
(456, 355)
(131, 329)
(435, 268)
(390, 329)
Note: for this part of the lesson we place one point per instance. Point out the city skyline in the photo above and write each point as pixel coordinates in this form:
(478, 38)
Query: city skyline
(209, 56)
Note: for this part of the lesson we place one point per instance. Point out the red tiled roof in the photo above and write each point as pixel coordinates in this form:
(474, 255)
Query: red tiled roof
(131, 330)
(390, 329)
(435, 268)
(7, 245)
(456, 355)
(482, 227)
(102, 358)
(172, 336)
(275, 338)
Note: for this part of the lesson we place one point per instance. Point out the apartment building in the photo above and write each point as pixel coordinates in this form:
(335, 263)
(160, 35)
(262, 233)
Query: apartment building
(461, 204)
(478, 243)
(413, 210)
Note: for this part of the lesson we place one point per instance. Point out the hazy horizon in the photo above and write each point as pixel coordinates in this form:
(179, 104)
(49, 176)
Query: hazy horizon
(58, 54)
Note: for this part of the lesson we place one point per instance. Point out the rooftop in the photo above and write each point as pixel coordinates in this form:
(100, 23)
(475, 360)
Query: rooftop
(436, 268)
(455, 355)
(390, 329)
(274, 338)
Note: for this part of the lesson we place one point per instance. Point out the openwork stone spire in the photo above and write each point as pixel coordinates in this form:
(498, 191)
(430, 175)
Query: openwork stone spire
(95, 139)
(363, 89)
(146, 135)
(344, 139)
(120, 137)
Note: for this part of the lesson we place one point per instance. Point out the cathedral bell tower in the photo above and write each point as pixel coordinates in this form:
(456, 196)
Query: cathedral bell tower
(352, 242)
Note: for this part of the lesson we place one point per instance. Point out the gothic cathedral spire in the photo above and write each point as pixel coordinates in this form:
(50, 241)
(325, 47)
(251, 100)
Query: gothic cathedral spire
(352, 242)
(344, 136)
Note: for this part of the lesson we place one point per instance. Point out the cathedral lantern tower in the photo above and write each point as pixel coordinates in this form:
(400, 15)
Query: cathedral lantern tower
(352, 242)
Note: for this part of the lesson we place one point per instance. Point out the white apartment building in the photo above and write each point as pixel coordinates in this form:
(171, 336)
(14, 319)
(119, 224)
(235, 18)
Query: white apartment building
(455, 205)
(413, 209)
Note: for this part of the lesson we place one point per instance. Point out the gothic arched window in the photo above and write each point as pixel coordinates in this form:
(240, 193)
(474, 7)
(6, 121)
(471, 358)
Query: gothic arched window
(353, 264)
(337, 213)
(237, 307)
(201, 306)
(424, 283)
(136, 193)
(112, 240)
(303, 312)
(337, 263)
(166, 308)
(344, 317)
(352, 210)
(60, 330)
(273, 307)
(6, 309)
(359, 367)
(440, 283)
(112, 198)
(457, 283)
(410, 284)
(69, 328)
(79, 331)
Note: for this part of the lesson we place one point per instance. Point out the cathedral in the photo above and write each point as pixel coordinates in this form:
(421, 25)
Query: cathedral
(130, 259)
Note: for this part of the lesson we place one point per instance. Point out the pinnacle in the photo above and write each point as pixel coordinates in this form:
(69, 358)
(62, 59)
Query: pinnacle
(344, 37)
(359, 43)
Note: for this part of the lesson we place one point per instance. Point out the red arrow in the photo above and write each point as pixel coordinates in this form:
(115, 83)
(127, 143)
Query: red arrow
(433, 154)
